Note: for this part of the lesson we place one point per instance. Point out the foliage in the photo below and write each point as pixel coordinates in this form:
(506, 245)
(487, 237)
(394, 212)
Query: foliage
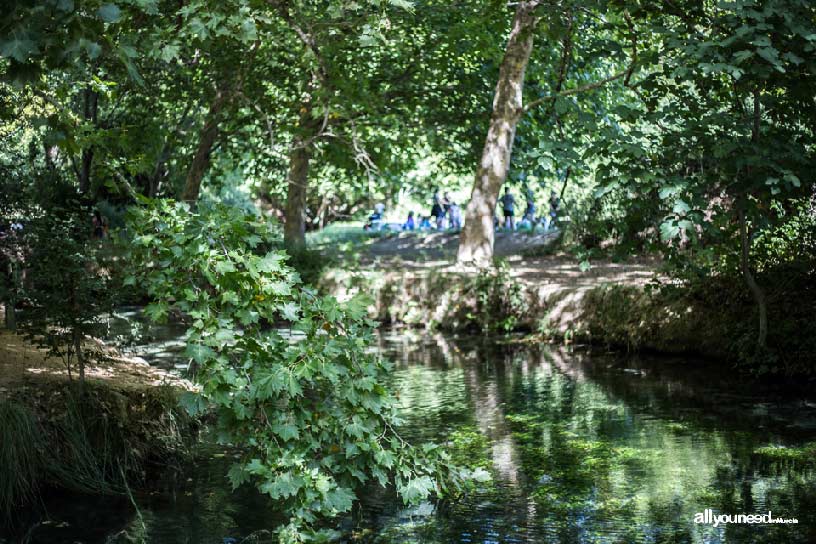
(96, 442)
(309, 409)
(66, 289)
(500, 299)
(802, 455)
(20, 457)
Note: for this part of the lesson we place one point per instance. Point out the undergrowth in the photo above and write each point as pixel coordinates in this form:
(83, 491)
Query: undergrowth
(100, 442)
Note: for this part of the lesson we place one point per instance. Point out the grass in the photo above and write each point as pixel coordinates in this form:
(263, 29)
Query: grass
(97, 442)
(20, 457)
(342, 232)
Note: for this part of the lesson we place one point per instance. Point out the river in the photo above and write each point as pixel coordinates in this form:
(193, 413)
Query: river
(583, 448)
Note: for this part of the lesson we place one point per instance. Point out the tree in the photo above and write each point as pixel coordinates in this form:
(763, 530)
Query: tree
(722, 140)
(476, 242)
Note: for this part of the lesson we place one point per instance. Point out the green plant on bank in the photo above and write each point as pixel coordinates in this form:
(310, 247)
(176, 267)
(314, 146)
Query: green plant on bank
(804, 455)
(312, 415)
(66, 289)
(20, 458)
(95, 442)
(499, 298)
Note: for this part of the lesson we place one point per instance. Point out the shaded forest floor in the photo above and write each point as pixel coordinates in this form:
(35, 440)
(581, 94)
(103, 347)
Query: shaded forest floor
(23, 363)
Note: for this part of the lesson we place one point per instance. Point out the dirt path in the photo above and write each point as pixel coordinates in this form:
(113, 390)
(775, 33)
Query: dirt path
(437, 250)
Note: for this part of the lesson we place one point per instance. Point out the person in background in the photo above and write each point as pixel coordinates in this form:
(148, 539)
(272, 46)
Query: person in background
(454, 216)
(409, 223)
(555, 203)
(437, 212)
(508, 202)
(425, 223)
(375, 220)
(529, 212)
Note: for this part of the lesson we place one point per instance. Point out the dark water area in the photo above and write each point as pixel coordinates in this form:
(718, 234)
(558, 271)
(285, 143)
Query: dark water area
(583, 448)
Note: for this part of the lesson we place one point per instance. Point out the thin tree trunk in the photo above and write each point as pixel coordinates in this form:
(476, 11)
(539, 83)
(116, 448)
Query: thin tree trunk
(753, 286)
(566, 181)
(80, 359)
(206, 140)
(11, 303)
(297, 179)
(756, 290)
(89, 112)
(476, 241)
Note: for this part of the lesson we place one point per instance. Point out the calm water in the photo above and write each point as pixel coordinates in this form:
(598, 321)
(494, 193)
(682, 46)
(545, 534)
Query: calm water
(583, 449)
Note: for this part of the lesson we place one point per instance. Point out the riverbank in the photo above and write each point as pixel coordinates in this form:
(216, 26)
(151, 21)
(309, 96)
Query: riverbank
(105, 439)
(626, 306)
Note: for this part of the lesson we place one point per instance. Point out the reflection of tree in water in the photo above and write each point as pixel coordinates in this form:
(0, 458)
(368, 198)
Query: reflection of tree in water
(589, 451)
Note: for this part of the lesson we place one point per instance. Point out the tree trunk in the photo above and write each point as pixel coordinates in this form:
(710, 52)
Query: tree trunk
(206, 140)
(89, 113)
(294, 227)
(756, 290)
(80, 358)
(297, 180)
(476, 241)
(753, 286)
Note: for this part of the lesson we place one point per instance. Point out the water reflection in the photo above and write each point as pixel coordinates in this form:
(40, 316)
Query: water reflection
(588, 449)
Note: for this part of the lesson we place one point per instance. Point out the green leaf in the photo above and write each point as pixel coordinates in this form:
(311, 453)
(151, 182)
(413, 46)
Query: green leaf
(169, 52)
(19, 47)
(669, 230)
(290, 311)
(402, 4)
(417, 489)
(286, 431)
(200, 353)
(223, 267)
(237, 476)
(110, 13)
(192, 403)
(339, 500)
(285, 485)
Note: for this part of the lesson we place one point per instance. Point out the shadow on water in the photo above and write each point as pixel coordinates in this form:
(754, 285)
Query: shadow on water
(583, 449)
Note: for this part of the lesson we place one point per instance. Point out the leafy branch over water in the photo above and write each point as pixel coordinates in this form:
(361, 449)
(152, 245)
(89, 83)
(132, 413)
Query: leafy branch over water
(312, 416)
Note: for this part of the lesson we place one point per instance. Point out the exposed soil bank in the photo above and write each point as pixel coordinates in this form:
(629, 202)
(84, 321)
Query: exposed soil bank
(617, 309)
(103, 440)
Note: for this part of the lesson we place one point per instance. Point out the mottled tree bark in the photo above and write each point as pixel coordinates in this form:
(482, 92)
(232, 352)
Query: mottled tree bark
(206, 140)
(294, 227)
(297, 179)
(476, 241)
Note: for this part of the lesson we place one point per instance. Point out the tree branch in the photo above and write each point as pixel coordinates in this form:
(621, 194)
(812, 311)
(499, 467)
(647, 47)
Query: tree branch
(626, 74)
